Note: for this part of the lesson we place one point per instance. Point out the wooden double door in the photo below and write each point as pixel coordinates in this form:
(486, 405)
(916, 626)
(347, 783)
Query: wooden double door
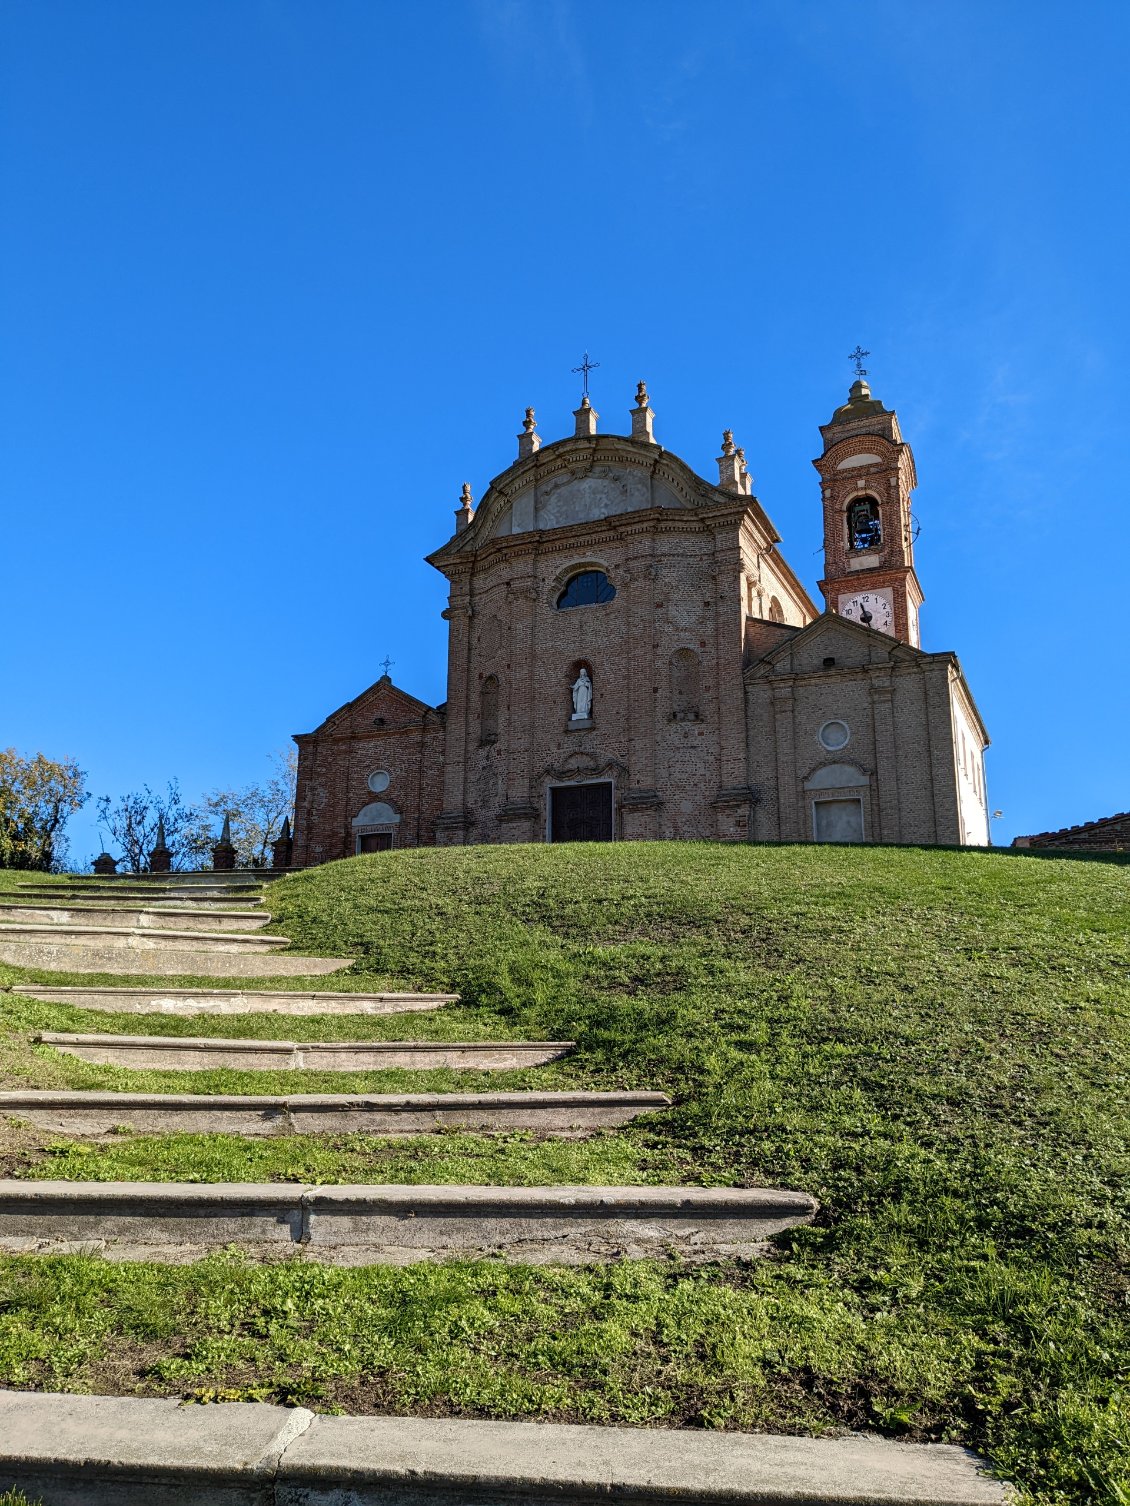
(580, 813)
(375, 841)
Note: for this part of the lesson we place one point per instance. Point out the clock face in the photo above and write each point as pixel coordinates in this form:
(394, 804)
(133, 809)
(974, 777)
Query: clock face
(878, 604)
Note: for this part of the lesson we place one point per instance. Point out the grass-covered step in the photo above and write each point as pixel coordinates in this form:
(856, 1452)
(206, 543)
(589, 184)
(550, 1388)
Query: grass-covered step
(188, 1002)
(370, 1224)
(195, 895)
(93, 948)
(200, 1053)
(93, 1114)
(216, 918)
(129, 1451)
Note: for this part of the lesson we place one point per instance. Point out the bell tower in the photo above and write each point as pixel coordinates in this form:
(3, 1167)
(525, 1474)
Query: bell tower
(867, 475)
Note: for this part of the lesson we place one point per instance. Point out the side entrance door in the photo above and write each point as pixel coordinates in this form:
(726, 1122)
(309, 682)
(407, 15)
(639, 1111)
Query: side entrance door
(580, 813)
(375, 841)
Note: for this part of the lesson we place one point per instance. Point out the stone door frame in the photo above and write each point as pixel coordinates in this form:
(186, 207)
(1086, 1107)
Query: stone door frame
(571, 784)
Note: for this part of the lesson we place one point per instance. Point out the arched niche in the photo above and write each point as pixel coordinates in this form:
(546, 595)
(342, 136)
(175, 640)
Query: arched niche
(837, 776)
(685, 685)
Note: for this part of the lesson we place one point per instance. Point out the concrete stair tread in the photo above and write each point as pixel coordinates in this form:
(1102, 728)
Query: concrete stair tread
(101, 1113)
(373, 1223)
(195, 893)
(179, 919)
(75, 931)
(12, 1098)
(251, 1043)
(112, 1444)
(210, 1001)
(127, 905)
(193, 1052)
(157, 952)
(135, 953)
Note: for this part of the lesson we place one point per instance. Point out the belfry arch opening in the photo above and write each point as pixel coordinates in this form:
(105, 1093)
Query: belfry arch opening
(864, 528)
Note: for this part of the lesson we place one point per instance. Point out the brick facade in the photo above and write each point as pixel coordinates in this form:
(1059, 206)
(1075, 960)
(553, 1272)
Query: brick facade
(383, 731)
(712, 670)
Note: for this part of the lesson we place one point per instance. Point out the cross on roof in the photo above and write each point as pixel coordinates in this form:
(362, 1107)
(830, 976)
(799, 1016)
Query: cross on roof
(386, 663)
(586, 366)
(858, 356)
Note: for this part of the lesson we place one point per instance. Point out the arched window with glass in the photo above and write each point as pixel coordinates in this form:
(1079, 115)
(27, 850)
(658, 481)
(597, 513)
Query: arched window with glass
(588, 588)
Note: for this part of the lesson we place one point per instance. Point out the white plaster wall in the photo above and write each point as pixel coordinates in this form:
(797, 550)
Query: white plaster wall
(970, 763)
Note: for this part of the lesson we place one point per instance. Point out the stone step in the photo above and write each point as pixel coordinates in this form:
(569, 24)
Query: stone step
(198, 898)
(215, 1001)
(146, 918)
(126, 1451)
(208, 878)
(374, 1225)
(182, 876)
(98, 1114)
(132, 1451)
(202, 1053)
(111, 949)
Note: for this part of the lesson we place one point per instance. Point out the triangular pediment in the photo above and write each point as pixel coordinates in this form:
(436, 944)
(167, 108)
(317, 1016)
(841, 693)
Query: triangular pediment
(383, 704)
(829, 636)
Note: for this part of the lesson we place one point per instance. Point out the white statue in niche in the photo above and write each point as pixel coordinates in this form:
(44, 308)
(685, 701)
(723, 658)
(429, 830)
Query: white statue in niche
(582, 697)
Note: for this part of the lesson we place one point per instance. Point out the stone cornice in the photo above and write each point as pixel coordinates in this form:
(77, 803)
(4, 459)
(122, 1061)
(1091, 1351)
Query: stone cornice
(595, 535)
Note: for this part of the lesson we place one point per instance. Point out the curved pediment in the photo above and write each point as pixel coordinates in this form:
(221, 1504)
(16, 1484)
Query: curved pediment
(581, 481)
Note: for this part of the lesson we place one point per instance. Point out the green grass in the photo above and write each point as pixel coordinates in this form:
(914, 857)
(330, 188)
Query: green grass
(933, 1043)
(517, 1159)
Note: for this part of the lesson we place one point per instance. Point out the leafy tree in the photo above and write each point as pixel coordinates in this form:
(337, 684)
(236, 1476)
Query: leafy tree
(257, 813)
(133, 823)
(36, 797)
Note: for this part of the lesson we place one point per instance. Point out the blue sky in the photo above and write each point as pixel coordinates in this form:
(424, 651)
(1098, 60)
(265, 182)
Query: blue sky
(277, 276)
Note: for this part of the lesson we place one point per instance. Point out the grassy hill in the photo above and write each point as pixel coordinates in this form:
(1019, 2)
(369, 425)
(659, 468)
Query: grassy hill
(933, 1043)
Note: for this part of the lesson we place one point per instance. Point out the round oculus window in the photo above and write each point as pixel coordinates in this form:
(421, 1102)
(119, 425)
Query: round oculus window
(834, 735)
(378, 781)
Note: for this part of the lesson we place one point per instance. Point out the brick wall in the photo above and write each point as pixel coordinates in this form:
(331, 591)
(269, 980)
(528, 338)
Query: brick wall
(382, 730)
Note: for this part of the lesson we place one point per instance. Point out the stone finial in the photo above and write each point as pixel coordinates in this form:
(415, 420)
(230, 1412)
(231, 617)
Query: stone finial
(282, 848)
(586, 417)
(528, 441)
(160, 859)
(104, 863)
(729, 465)
(642, 416)
(465, 512)
(223, 854)
(745, 480)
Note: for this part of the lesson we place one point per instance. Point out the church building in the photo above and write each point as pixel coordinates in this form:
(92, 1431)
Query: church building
(631, 657)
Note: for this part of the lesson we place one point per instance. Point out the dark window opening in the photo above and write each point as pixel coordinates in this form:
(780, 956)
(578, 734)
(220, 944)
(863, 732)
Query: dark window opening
(375, 841)
(590, 588)
(776, 611)
(864, 529)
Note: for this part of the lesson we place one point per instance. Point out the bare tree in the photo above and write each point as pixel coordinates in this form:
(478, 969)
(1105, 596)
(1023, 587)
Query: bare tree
(257, 813)
(36, 797)
(133, 822)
